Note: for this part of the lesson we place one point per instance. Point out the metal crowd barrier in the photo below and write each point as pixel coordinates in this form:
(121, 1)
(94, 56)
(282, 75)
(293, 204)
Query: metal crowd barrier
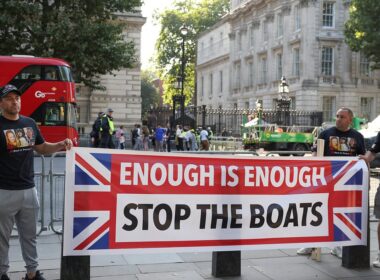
(39, 181)
(57, 193)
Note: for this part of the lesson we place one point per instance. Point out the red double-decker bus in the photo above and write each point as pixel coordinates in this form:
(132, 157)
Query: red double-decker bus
(48, 93)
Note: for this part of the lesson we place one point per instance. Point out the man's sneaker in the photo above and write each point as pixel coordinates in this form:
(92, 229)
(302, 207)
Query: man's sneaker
(337, 251)
(4, 277)
(37, 277)
(304, 251)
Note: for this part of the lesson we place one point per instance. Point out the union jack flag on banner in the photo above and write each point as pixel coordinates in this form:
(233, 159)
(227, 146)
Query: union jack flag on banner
(119, 202)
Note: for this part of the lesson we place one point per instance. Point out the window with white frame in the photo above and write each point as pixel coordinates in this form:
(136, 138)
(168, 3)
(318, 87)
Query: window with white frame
(366, 105)
(250, 73)
(263, 70)
(251, 36)
(327, 61)
(211, 91)
(296, 62)
(220, 81)
(237, 76)
(279, 66)
(211, 43)
(202, 86)
(297, 18)
(364, 67)
(280, 25)
(239, 39)
(265, 31)
(328, 14)
(328, 108)
(221, 39)
(292, 103)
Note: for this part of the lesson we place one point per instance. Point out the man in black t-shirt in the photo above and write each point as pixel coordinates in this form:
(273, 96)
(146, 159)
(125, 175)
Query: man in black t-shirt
(368, 157)
(340, 140)
(19, 201)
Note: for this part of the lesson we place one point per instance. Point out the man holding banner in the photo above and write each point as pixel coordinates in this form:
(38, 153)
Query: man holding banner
(341, 131)
(368, 157)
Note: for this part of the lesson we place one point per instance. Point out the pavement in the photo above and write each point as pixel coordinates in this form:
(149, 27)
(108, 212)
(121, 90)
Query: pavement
(260, 264)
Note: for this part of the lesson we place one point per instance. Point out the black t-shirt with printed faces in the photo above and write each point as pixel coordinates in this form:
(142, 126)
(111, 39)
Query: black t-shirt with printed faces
(17, 139)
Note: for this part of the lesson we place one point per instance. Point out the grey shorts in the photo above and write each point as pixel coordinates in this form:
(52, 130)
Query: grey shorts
(376, 210)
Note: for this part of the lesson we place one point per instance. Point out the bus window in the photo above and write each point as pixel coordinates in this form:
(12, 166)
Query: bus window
(51, 73)
(65, 74)
(24, 79)
(55, 114)
(71, 115)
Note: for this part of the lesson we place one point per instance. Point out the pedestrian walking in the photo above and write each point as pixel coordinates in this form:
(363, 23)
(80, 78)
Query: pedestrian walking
(18, 195)
(204, 139)
(118, 133)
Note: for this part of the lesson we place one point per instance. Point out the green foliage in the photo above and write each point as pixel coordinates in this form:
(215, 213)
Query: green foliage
(85, 33)
(149, 92)
(362, 29)
(197, 16)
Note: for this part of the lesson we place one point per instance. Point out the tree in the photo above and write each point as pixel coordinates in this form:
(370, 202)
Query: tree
(362, 29)
(86, 33)
(149, 92)
(197, 16)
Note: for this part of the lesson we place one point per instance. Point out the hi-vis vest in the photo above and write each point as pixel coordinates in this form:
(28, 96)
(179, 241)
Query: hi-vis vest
(109, 123)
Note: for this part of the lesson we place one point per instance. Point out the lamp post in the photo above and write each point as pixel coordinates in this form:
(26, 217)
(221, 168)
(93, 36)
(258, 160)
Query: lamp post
(283, 100)
(184, 30)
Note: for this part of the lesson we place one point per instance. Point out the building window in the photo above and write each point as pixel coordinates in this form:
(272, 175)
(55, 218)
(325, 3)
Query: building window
(220, 81)
(327, 61)
(366, 107)
(202, 86)
(221, 39)
(239, 41)
(364, 66)
(297, 18)
(264, 69)
(237, 76)
(328, 14)
(211, 43)
(265, 31)
(296, 62)
(250, 74)
(292, 103)
(279, 66)
(280, 25)
(251, 37)
(328, 108)
(211, 85)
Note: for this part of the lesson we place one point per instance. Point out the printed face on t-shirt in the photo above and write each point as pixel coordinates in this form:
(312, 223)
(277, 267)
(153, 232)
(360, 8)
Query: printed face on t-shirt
(342, 145)
(19, 138)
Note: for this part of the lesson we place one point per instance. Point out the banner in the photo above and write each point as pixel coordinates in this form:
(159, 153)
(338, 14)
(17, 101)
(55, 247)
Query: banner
(119, 202)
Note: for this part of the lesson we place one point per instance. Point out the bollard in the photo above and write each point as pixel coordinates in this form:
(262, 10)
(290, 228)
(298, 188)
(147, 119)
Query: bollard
(75, 268)
(226, 263)
(357, 256)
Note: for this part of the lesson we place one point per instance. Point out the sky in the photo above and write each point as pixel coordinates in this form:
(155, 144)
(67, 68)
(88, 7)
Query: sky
(150, 31)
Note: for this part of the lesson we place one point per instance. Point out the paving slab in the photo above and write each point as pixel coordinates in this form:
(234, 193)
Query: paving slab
(153, 258)
(183, 275)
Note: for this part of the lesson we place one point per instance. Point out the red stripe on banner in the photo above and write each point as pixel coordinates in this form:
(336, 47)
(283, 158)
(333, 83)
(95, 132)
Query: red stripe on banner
(346, 198)
(92, 237)
(348, 224)
(93, 201)
(92, 170)
(208, 243)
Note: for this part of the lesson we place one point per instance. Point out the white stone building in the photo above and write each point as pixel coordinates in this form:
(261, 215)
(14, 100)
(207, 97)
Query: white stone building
(302, 40)
(123, 88)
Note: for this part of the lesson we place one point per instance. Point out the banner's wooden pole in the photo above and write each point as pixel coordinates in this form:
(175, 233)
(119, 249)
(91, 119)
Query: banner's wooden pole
(316, 252)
